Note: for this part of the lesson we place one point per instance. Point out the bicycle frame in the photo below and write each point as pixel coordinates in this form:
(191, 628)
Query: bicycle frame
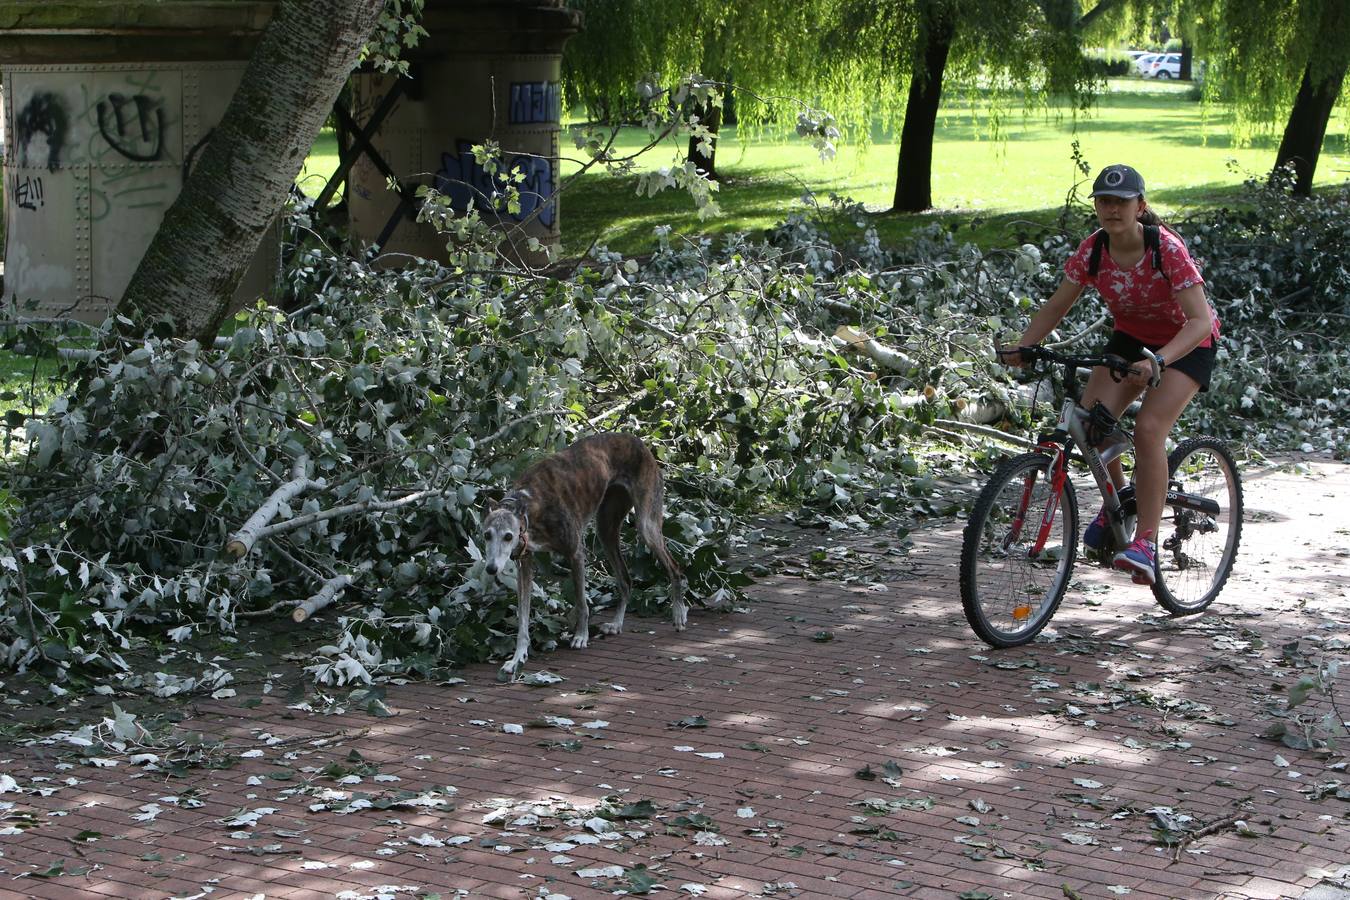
(1058, 445)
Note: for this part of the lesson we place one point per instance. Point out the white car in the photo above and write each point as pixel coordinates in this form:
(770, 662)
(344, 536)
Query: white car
(1143, 61)
(1165, 65)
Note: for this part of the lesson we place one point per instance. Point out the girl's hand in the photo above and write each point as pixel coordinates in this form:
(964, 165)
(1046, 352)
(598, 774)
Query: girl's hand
(1009, 356)
(1141, 372)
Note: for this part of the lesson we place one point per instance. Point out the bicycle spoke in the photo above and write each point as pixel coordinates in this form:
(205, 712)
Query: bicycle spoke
(1196, 550)
(1009, 587)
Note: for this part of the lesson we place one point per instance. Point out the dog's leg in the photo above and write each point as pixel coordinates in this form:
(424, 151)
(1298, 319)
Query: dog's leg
(524, 587)
(608, 519)
(581, 631)
(650, 514)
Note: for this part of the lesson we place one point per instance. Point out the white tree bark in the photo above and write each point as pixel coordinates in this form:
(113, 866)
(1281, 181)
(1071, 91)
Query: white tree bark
(210, 233)
(243, 540)
(331, 590)
(879, 353)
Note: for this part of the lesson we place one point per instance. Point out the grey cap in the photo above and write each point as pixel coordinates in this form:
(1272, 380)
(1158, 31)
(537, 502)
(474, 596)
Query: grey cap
(1118, 181)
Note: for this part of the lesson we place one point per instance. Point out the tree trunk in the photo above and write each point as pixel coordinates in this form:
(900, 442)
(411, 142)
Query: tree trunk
(1185, 74)
(711, 116)
(1307, 125)
(914, 174)
(210, 233)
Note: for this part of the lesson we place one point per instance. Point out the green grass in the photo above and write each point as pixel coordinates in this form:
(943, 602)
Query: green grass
(26, 383)
(1186, 153)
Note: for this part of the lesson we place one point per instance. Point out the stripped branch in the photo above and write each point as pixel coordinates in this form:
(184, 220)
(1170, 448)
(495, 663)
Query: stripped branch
(330, 591)
(256, 526)
(1101, 320)
(986, 431)
(365, 506)
(889, 357)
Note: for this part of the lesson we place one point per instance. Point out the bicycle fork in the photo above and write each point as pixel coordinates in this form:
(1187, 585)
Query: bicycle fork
(1058, 472)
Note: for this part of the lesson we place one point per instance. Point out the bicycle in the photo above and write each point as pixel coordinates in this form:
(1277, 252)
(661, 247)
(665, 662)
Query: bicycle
(1020, 542)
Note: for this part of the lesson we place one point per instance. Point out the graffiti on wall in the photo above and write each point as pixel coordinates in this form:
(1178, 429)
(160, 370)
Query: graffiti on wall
(45, 116)
(27, 191)
(465, 182)
(133, 126)
(535, 102)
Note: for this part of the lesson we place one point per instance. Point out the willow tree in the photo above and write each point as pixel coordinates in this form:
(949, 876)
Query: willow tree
(1030, 49)
(774, 52)
(210, 233)
(1275, 58)
(861, 59)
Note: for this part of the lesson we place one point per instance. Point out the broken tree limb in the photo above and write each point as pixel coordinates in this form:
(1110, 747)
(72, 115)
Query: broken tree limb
(947, 424)
(330, 591)
(1101, 320)
(880, 354)
(365, 506)
(254, 529)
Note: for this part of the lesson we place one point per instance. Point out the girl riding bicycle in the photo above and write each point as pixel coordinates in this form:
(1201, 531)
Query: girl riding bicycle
(1162, 319)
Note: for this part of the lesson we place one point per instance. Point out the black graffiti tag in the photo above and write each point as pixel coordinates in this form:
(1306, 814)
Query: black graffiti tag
(43, 114)
(133, 126)
(28, 192)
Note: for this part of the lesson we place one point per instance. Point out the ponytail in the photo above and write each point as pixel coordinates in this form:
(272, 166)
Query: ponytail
(1149, 217)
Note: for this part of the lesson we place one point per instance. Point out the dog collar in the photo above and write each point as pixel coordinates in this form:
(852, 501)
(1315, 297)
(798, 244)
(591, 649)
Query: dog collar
(523, 539)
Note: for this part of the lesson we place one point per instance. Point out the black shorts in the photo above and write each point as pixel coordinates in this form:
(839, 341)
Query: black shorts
(1198, 364)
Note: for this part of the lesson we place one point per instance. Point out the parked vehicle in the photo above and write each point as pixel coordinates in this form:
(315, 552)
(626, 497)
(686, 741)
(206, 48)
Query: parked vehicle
(1143, 61)
(1165, 65)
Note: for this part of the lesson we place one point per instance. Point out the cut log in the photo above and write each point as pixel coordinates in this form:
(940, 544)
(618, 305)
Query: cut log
(243, 540)
(331, 590)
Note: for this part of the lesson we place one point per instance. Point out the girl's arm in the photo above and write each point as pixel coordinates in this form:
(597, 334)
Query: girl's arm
(1051, 313)
(1199, 324)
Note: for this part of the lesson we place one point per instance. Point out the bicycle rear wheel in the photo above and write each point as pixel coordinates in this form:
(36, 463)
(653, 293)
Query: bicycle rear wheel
(1009, 591)
(1196, 548)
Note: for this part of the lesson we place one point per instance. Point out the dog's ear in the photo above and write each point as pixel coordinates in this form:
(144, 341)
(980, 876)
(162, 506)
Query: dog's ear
(493, 498)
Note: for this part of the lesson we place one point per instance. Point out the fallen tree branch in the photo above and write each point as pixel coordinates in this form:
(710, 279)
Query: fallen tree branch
(365, 506)
(882, 355)
(1192, 836)
(1101, 320)
(330, 591)
(529, 417)
(252, 530)
(984, 430)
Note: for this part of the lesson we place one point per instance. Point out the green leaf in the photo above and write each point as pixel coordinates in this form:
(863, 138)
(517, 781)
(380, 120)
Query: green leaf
(642, 809)
(1300, 691)
(690, 722)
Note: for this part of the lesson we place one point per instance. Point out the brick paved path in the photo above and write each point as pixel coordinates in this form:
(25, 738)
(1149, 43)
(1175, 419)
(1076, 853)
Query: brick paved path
(1038, 772)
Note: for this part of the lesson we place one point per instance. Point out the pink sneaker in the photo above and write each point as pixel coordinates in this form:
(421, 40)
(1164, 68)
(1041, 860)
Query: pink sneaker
(1138, 560)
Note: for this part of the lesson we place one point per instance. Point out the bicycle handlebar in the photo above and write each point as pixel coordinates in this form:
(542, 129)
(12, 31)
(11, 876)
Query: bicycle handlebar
(1116, 365)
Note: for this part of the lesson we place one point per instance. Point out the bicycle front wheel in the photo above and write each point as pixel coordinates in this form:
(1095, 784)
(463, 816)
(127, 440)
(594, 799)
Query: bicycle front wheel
(1201, 527)
(1011, 579)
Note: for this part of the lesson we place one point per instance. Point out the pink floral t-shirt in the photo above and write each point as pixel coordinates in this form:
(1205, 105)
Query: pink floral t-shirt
(1141, 299)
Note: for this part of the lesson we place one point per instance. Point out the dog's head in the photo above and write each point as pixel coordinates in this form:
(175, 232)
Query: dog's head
(505, 537)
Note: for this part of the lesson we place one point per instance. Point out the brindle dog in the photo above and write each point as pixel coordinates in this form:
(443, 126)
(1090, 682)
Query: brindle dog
(599, 477)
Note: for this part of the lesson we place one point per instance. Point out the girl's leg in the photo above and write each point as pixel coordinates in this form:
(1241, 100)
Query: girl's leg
(1159, 412)
(1116, 396)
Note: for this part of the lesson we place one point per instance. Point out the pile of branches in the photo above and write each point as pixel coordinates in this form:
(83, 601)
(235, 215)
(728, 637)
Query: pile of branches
(344, 452)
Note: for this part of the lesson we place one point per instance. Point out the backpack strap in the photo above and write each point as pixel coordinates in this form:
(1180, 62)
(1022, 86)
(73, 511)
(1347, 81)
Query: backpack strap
(1099, 243)
(1152, 241)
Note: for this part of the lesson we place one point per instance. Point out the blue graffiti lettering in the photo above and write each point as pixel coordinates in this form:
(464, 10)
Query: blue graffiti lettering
(535, 101)
(465, 182)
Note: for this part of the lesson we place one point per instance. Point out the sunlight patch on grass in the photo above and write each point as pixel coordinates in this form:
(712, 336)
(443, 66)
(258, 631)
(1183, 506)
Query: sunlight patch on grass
(1185, 151)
